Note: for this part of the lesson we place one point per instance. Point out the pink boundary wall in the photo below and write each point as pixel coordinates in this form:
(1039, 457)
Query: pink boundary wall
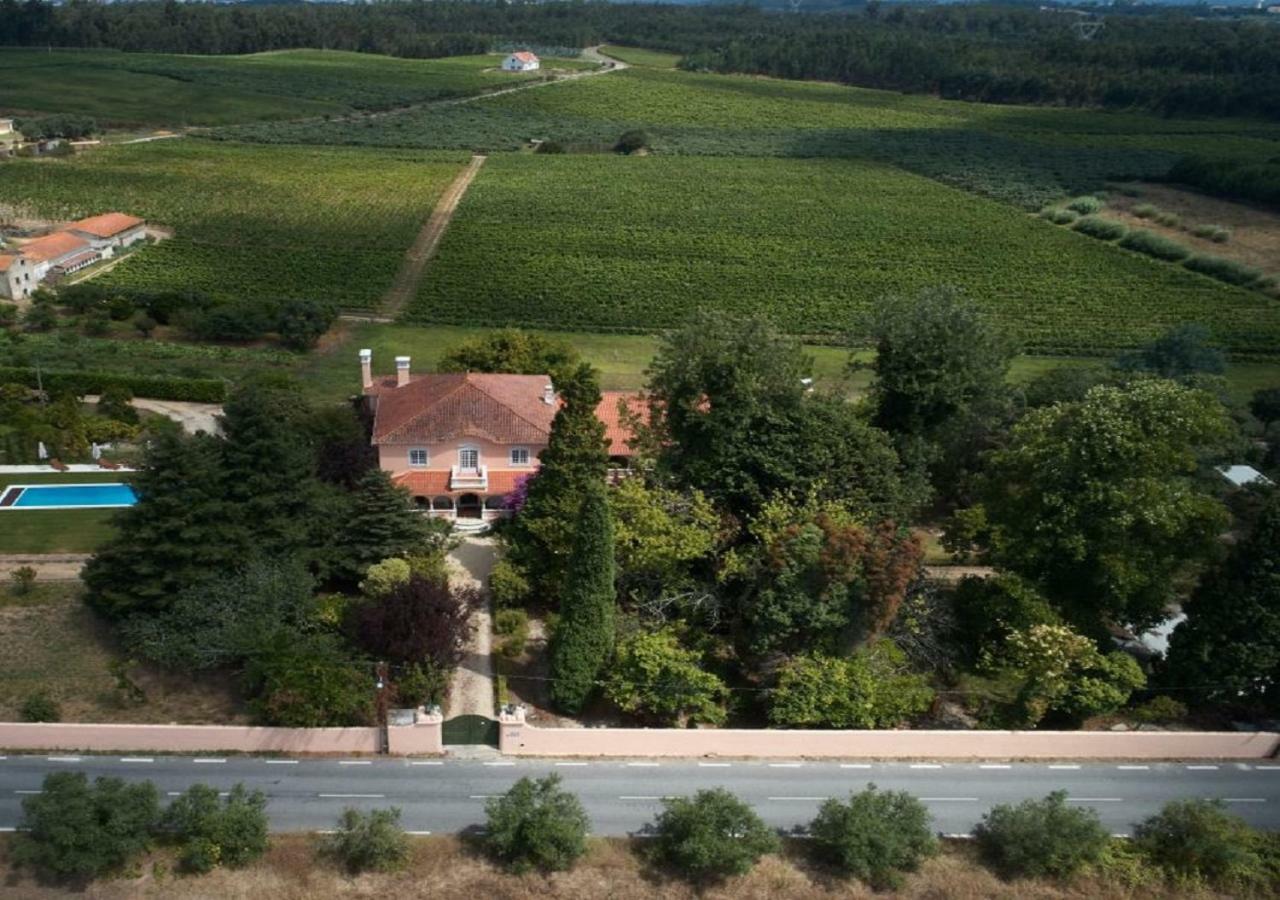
(516, 738)
(423, 737)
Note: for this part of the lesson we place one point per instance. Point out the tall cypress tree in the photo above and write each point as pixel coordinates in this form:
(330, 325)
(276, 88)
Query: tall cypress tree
(583, 640)
(575, 462)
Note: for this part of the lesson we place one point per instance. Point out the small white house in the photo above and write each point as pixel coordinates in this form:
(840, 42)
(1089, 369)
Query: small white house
(521, 61)
(6, 126)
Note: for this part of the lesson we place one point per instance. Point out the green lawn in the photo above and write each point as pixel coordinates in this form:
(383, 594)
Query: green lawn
(52, 530)
(176, 90)
(638, 56)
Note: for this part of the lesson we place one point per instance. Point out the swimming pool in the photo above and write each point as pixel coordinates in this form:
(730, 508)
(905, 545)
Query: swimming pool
(67, 496)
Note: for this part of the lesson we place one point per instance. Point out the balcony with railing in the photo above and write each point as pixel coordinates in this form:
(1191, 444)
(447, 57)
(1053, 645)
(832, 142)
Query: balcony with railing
(469, 478)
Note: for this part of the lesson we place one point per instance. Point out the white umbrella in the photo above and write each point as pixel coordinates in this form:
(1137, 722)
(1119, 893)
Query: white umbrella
(96, 451)
(41, 453)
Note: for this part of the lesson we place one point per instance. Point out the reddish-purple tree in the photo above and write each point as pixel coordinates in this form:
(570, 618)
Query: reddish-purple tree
(421, 621)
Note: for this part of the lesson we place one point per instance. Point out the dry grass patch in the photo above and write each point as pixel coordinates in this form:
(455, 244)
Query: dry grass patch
(54, 643)
(444, 868)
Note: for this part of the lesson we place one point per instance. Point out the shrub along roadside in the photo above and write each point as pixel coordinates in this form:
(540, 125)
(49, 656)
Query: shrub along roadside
(1152, 244)
(536, 825)
(875, 836)
(1039, 838)
(711, 836)
(1227, 270)
(1100, 228)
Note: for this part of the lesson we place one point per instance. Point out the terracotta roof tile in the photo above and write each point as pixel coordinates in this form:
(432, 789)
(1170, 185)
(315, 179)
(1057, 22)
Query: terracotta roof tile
(6, 260)
(525, 56)
(609, 412)
(505, 409)
(432, 483)
(107, 225)
(51, 246)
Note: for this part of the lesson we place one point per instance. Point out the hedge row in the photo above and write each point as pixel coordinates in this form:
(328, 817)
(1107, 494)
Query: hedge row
(157, 387)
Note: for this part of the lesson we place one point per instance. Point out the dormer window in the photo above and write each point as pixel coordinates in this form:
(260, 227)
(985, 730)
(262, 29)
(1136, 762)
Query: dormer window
(519, 456)
(418, 457)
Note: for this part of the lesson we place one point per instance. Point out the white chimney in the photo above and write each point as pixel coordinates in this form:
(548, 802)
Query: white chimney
(366, 368)
(402, 371)
(549, 394)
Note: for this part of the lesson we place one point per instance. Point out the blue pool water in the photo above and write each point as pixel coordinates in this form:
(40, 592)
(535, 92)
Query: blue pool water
(54, 496)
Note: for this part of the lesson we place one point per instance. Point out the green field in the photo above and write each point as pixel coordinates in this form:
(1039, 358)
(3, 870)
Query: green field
(250, 222)
(638, 56)
(1023, 155)
(173, 90)
(637, 243)
(55, 531)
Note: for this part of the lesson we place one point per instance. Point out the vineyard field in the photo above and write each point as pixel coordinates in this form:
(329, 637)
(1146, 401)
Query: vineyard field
(633, 244)
(173, 90)
(250, 222)
(1023, 155)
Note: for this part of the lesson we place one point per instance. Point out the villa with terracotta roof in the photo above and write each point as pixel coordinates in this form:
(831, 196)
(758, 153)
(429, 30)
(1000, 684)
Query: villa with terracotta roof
(461, 442)
(110, 231)
(58, 253)
(521, 61)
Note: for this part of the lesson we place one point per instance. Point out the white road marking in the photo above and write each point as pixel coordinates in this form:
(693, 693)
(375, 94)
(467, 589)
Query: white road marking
(797, 798)
(355, 762)
(281, 762)
(1064, 767)
(1202, 768)
(785, 765)
(1120, 834)
(417, 832)
(950, 799)
(635, 797)
(1267, 768)
(926, 765)
(430, 762)
(643, 765)
(499, 764)
(351, 796)
(7, 828)
(1133, 768)
(706, 765)
(67, 759)
(572, 764)
(136, 759)
(482, 796)
(1095, 799)
(855, 765)
(994, 766)
(1243, 800)
(209, 762)
(26, 792)
(179, 793)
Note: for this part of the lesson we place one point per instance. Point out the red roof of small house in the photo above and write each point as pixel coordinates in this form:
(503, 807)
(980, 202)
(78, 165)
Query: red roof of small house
(6, 260)
(436, 483)
(107, 225)
(525, 56)
(616, 431)
(52, 246)
(505, 409)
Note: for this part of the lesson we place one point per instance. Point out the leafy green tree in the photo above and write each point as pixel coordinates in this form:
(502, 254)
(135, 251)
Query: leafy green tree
(536, 824)
(818, 579)
(219, 622)
(40, 707)
(1062, 671)
(175, 536)
(988, 610)
(1095, 502)
(875, 837)
(382, 578)
(711, 836)
(419, 621)
(514, 351)
(1199, 840)
(382, 524)
(309, 681)
(939, 385)
(1039, 838)
(583, 638)
(114, 403)
(656, 678)
(1183, 350)
(541, 536)
(75, 830)
(301, 323)
(659, 535)
(873, 688)
(1265, 405)
(212, 831)
(368, 842)
(1227, 652)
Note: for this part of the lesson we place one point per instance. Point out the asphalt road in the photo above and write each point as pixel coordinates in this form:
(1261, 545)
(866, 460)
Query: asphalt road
(622, 797)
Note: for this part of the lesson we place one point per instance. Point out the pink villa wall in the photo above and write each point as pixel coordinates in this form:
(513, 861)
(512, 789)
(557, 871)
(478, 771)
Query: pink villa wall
(519, 739)
(394, 458)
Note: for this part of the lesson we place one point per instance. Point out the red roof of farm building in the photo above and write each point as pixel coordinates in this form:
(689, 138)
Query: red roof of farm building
(107, 225)
(51, 246)
(6, 259)
(525, 56)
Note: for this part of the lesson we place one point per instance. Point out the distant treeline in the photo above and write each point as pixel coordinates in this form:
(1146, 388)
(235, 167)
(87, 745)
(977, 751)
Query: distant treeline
(1169, 62)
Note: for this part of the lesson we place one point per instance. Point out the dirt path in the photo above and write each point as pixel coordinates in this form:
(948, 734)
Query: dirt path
(415, 260)
(191, 415)
(955, 573)
(471, 692)
(48, 566)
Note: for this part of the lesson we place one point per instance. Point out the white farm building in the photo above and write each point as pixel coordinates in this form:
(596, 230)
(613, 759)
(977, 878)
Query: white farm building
(521, 61)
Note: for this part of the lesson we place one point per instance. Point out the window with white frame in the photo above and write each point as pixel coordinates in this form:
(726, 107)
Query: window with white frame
(519, 456)
(418, 456)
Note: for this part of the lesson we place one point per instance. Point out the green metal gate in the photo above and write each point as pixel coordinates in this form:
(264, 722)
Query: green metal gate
(471, 730)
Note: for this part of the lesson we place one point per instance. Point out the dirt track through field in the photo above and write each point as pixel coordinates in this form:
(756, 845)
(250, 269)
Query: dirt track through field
(424, 247)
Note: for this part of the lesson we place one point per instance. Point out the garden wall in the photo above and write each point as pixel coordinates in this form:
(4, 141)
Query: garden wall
(520, 739)
(423, 737)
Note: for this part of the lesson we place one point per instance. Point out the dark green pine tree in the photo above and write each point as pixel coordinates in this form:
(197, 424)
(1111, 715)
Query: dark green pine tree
(176, 535)
(574, 462)
(583, 639)
(269, 464)
(382, 523)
